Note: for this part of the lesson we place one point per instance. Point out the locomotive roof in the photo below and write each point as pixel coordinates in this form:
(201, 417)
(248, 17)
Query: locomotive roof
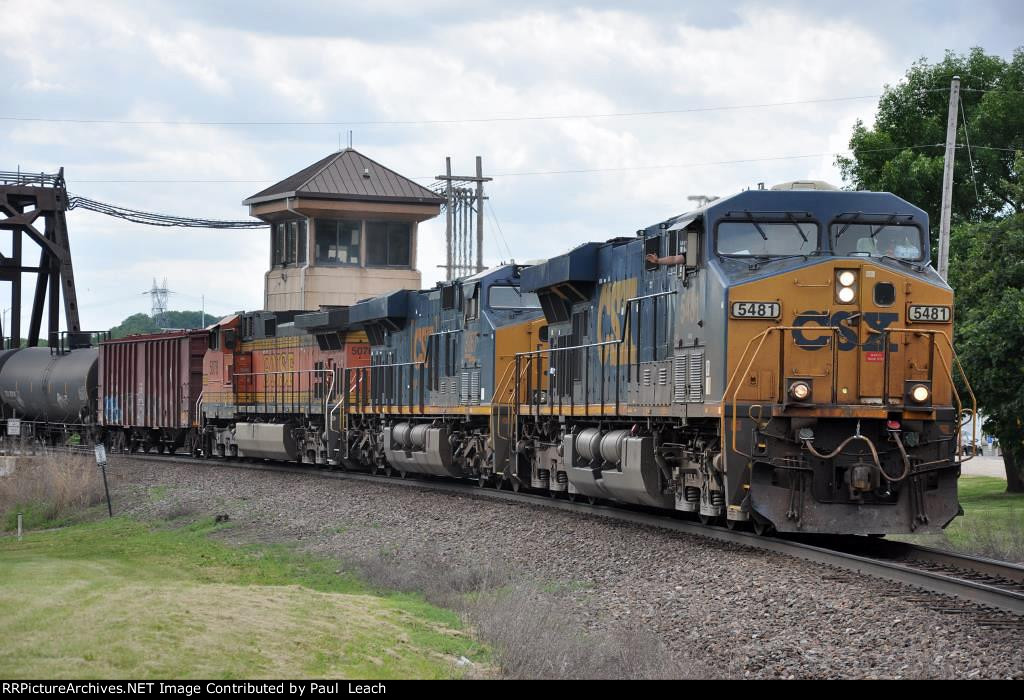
(822, 204)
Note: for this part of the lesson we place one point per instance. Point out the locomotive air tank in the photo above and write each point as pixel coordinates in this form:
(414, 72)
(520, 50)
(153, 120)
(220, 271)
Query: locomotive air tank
(42, 384)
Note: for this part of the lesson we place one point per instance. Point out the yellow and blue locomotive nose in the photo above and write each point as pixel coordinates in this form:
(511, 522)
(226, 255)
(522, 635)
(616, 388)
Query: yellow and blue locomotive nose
(851, 331)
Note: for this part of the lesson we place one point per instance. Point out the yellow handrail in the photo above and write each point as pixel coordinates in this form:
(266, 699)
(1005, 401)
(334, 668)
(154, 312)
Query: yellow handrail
(760, 338)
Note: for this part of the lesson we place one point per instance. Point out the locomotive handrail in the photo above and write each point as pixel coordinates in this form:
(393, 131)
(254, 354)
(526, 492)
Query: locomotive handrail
(763, 335)
(956, 394)
(626, 327)
(199, 402)
(277, 404)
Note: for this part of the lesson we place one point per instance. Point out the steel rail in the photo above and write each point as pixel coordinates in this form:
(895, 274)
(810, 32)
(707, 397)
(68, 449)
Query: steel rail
(895, 564)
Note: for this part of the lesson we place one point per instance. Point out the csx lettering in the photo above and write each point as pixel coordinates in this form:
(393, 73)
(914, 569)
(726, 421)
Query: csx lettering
(810, 335)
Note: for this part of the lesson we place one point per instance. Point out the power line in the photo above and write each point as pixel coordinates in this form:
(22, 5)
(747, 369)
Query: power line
(591, 170)
(970, 159)
(429, 122)
(152, 219)
(708, 163)
(494, 218)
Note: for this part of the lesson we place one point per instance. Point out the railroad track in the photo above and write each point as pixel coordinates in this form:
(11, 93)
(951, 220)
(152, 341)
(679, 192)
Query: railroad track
(948, 582)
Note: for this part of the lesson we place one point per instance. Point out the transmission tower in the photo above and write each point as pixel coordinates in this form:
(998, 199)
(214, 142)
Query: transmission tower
(158, 296)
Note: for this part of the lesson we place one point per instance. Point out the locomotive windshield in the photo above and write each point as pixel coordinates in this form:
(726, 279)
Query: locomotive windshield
(759, 238)
(876, 240)
(508, 297)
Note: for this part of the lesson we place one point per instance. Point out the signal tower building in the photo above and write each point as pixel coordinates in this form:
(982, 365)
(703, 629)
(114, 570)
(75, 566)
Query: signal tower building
(341, 230)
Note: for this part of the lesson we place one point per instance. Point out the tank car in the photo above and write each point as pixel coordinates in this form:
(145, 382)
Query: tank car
(50, 391)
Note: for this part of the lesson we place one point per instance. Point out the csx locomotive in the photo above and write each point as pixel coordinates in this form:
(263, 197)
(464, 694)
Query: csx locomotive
(779, 358)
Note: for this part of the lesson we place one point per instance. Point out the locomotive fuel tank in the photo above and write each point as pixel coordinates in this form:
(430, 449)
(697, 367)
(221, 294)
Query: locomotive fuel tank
(40, 384)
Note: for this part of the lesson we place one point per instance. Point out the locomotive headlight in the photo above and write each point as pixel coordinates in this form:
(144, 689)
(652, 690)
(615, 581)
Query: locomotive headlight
(846, 286)
(799, 391)
(919, 393)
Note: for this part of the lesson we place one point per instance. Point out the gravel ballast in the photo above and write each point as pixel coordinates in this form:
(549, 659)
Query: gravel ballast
(718, 609)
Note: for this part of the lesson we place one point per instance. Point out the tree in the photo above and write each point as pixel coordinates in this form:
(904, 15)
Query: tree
(144, 323)
(134, 324)
(987, 272)
(903, 153)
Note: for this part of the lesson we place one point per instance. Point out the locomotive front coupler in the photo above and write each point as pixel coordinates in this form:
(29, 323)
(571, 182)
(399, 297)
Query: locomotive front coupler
(864, 477)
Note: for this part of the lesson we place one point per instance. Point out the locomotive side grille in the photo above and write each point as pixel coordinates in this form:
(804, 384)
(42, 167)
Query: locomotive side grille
(662, 376)
(474, 387)
(464, 382)
(645, 376)
(679, 375)
(695, 387)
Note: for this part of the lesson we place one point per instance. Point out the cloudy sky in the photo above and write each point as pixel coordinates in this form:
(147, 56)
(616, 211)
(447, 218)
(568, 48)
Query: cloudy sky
(655, 101)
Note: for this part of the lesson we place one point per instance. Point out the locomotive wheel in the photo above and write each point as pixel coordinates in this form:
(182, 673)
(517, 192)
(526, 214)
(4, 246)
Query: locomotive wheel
(403, 475)
(733, 524)
(375, 469)
(761, 527)
(516, 485)
(706, 519)
(572, 498)
(388, 471)
(483, 480)
(592, 500)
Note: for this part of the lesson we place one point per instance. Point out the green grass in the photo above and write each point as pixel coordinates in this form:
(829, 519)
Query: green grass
(35, 515)
(119, 598)
(992, 524)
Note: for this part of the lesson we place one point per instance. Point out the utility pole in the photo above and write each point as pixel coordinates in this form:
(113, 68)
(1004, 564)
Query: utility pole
(460, 202)
(448, 217)
(947, 178)
(479, 215)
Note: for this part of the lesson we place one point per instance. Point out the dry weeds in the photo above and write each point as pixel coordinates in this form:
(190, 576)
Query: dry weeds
(535, 632)
(49, 488)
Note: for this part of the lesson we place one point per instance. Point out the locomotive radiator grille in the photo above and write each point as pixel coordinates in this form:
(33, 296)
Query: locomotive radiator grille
(695, 387)
(679, 376)
(469, 387)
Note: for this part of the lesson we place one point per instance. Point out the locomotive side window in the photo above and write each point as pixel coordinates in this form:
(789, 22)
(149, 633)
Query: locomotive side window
(472, 296)
(509, 297)
(652, 246)
(756, 238)
(876, 240)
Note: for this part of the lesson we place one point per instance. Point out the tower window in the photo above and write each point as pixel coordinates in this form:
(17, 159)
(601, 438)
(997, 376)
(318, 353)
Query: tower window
(387, 244)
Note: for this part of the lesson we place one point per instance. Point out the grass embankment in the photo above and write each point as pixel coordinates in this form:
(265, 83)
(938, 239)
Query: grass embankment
(992, 524)
(118, 598)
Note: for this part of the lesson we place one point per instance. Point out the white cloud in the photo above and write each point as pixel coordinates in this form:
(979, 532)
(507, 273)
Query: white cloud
(127, 61)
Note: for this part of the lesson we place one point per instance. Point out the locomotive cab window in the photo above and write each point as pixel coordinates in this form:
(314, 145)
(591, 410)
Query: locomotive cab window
(767, 239)
(877, 240)
(510, 297)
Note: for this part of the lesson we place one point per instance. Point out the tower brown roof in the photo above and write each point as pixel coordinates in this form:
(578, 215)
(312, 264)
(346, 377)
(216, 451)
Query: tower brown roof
(348, 175)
